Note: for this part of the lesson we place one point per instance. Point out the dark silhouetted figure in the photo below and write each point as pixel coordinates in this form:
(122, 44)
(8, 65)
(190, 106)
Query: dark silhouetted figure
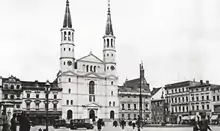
(99, 124)
(13, 123)
(203, 124)
(24, 123)
(195, 127)
(122, 123)
(115, 123)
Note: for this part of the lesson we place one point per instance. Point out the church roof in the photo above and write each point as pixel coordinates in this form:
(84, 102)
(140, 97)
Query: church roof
(67, 23)
(109, 29)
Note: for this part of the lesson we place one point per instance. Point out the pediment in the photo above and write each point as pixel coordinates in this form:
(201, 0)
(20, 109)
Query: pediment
(92, 105)
(90, 58)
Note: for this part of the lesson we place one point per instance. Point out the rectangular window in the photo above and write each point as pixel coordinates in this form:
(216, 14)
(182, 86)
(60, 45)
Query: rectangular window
(213, 98)
(17, 106)
(122, 115)
(55, 106)
(183, 99)
(122, 106)
(55, 97)
(129, 116)
(128, 106)
(183, 109)
(197, 98)
(197, 107)
(71, 102)
(37, 106)
(90, 98)
(207, 107)
(37, 95)
(192, 98)
(6, 96)
(135, 107)
(187, 108)
(217, 98)
(193, 108)
(203, 107)
(67, 102)
(134, 115)
(146, 106)
(28, 106)
(207, 97)
(187, 99)
(28, 95)
(18, 96)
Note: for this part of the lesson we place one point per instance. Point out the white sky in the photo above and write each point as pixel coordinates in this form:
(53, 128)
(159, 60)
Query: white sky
(176, 39)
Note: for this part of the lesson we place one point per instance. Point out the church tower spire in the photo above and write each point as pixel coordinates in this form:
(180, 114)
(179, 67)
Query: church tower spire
(109, 50)
(67, 45)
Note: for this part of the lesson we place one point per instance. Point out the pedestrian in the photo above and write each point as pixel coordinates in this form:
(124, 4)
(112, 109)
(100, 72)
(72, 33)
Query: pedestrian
(99, 125)
(195, 127)
(133, 124)
(203, 124)
(24, 122)
(13, 123)
(6, 121)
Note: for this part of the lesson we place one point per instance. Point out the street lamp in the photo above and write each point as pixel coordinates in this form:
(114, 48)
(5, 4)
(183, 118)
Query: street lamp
(47, 91)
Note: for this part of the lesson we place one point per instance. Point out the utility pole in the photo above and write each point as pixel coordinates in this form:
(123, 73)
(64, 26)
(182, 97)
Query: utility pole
(140, 96)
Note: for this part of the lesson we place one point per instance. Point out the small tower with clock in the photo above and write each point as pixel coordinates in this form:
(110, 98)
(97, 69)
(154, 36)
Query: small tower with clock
(67, 43)
(109, 45)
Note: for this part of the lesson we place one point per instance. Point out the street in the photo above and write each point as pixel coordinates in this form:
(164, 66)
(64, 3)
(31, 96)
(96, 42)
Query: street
(109, 127)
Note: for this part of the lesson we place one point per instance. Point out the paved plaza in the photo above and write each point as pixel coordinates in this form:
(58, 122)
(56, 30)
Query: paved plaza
(109, 127)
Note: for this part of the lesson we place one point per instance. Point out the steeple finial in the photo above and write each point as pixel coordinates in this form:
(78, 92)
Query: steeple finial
(109, 29)
(67, 23)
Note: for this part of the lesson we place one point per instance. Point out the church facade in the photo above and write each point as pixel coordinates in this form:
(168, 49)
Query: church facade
(89, 84)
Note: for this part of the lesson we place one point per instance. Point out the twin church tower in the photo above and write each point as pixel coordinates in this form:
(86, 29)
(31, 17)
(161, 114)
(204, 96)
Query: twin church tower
(89, 84)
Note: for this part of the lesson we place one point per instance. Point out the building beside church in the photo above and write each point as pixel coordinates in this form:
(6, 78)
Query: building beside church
(30, 97)
(129, 100)
(90, 84)
(159, 107)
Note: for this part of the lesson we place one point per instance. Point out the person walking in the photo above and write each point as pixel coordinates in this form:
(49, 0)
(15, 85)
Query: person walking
(99, 125)
(195, 127)
(13, 123)
(203, 124)
(24, 123)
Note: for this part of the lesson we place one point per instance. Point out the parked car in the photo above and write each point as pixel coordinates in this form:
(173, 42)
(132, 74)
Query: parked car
(59, 123)
(80, 123)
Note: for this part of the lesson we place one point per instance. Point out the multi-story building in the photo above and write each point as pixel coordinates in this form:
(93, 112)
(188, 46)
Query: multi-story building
(215, 118)
(159, 108)
(129, 98)
(200, 97)
(89, 83)
(29, 97)
(177, 95)
(34, 101)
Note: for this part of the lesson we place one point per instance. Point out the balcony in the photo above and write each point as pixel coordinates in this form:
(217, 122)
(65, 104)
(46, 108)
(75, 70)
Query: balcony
(42, 109)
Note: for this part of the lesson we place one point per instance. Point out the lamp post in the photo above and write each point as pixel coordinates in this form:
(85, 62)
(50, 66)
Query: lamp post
(47, 91)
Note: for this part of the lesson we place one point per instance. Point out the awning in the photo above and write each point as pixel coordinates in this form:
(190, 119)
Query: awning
(185, 118)
(214, 117)
(192, 117)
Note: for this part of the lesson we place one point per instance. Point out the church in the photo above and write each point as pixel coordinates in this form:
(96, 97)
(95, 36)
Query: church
(89, 84)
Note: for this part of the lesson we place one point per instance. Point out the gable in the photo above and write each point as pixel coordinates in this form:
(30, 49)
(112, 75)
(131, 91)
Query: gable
(93, 105)
(68, 73)
(90, 58)
(92, 74)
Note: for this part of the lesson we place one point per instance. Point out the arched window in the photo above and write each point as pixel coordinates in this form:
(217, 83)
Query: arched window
(64, 35)
(107, 42)
(61, 36)
(104, 43)
(84, 67)
(91, 87)
(111, 82)
(64, 63)
(110, 103)
(90, 68)
(69, 36)
(107, 54)
(111, 93)
(69, 114)
(69, 49)
(111, 42)
(113, 103)
(94, 68)
(69, 79)
(107, 67)
(64, 49)
(69, 91)
(87, 68)
(72, 36)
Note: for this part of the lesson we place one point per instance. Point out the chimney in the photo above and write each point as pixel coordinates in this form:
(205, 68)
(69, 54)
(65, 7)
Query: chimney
(201, 82)
(207, 82)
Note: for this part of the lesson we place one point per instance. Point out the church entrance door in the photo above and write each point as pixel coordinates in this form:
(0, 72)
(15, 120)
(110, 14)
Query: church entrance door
(91, 114)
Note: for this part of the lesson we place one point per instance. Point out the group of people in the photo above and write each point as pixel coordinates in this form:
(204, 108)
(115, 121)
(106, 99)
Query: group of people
(11, 124)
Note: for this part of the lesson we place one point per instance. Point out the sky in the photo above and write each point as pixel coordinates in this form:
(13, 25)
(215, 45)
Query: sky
(177, 40)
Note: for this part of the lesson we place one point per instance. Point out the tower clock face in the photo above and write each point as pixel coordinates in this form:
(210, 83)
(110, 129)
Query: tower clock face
(112, 68)
(69, 63)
